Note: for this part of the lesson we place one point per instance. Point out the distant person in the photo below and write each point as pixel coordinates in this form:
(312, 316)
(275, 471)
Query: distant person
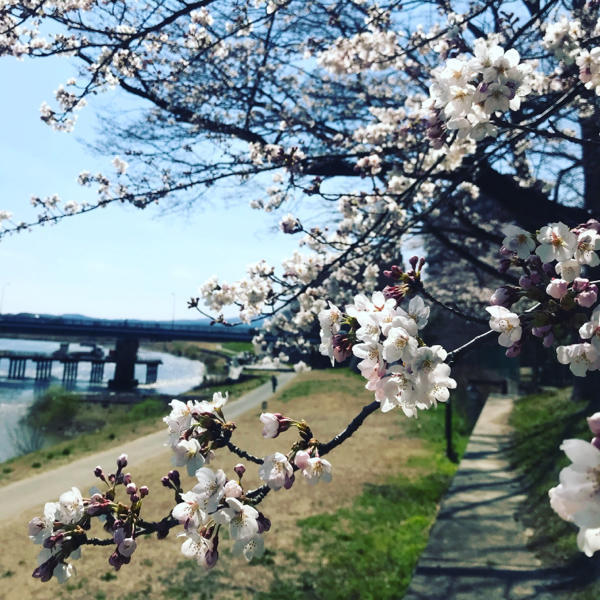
(274, 383)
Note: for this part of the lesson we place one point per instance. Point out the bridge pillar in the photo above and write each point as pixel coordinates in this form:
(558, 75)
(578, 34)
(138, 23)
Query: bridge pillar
(97, 372)
(16, 368)
(43, 369)
(70, 371)
(125, 354)
(152, 372)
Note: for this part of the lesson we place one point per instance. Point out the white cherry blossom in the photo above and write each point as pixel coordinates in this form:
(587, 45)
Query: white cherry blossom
(506, 323)
(241, 518)
(557, 241)
(581, 358)
(188, 453)
(276, 471)
(518, 240)
(588, 241)
(317, 469)
(591, 330)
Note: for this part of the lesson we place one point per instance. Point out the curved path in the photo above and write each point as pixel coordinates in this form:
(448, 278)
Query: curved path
(47, 486)
(478, 546)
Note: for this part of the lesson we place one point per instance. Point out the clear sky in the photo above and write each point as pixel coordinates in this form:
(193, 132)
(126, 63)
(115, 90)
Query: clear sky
(118, 262)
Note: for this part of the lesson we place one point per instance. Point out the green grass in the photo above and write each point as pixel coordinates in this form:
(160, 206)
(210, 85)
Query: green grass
(56, 409)
(367, 551)
(542, 422)
(248, 381)
(238, 346)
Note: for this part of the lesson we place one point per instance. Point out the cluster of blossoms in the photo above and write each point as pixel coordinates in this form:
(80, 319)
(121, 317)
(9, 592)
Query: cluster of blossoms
(576, 497)
(216, 502)
(63, 528)
(552, 263)
(470, 90)
(277, 470)
(195, 430)
(398, 366)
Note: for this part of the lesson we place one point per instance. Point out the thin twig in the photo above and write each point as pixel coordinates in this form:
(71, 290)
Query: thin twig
(243, 454)
(350, 429)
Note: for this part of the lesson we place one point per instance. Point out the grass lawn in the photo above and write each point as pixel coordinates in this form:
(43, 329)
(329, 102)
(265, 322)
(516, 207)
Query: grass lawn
(542, 421)
(108, 426)
(238, 346)
(248, 381)
(357, 537)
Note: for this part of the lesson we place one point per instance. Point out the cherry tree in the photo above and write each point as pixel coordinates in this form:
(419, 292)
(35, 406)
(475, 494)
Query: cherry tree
(471, 124)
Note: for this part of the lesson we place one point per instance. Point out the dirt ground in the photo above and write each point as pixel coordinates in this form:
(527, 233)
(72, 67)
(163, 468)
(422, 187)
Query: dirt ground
(374, 452)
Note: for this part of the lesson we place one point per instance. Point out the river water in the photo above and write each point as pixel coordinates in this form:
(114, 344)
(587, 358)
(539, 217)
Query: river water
(175, 375)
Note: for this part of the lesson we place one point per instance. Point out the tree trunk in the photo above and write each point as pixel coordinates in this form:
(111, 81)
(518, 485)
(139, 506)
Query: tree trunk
(588, 388)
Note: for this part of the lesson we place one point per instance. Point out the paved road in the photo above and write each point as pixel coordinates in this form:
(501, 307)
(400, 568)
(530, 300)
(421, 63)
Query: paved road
(477, 547)
(47, 486)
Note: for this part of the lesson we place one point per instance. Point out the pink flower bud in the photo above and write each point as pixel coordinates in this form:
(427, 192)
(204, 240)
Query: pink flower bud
(127, 547)
(588, 298)
(580, 284)
(548, 340)
(144, 491)
(122, 461)
(239, 469)
(541, 331)
(301, 459)
(174, 477)
(525, 282)
(274, 424)
(394, 272)
(232, 489)
(264, 524)
(501, 297)
(557, 288)
(514, 350)
(596, 442)
(594, 423)
(131, 488)
(289, 481)
(504, 265)
(535, 278)
(127, 478)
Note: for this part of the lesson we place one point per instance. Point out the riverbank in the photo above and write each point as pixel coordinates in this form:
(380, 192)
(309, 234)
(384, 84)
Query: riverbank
(110, 425)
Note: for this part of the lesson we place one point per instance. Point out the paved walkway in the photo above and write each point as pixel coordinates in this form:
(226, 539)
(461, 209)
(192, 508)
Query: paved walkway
(47, 486)
(477, 547)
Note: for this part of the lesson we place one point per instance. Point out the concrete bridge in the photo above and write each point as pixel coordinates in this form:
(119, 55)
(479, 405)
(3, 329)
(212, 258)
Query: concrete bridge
(127, 333)
(17, 365)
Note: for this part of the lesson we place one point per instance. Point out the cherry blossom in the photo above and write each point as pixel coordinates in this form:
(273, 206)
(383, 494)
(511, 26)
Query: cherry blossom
(557, 241)
(518, 240)
(580, 358)
(316, 469)
(591, 330)
(576, 499)
(276, 471)
(506, 323)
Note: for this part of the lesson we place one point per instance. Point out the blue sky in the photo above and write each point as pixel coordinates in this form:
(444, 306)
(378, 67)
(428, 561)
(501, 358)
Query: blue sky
(118, 262)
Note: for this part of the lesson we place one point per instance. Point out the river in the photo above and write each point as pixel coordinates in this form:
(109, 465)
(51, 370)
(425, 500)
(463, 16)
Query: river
(175, 375)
